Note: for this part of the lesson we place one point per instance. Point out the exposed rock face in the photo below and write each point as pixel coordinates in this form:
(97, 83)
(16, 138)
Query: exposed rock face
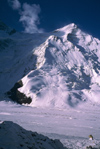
(15, 95)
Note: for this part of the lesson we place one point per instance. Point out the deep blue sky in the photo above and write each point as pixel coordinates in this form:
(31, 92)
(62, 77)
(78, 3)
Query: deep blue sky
(58, 13)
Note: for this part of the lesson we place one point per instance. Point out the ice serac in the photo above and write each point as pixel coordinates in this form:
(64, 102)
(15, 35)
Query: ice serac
(58, 69)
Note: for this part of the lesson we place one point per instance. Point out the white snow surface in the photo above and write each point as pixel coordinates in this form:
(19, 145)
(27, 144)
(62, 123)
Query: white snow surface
(72, 126)
(60, 71)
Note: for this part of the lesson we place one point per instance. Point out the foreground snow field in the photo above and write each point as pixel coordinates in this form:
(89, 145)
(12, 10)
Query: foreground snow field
(71, 126)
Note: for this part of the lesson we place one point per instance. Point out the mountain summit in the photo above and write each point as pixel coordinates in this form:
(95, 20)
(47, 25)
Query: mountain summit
(56, 69)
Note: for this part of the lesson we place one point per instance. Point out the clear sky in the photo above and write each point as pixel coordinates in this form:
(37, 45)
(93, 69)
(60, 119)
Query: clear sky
(48, 15)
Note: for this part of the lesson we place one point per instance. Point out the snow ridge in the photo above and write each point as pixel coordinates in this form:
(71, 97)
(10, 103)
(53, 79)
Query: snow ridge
(14, 136)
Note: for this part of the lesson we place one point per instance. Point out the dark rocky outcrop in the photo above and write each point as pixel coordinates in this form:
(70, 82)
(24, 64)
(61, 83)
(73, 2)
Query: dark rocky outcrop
(17, 96)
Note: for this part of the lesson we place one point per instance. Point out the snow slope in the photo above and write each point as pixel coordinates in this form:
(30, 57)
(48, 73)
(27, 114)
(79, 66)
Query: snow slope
(58, 69)
(14, 136)
(16, 57)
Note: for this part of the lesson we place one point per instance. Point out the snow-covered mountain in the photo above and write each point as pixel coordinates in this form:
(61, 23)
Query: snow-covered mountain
(56, 69)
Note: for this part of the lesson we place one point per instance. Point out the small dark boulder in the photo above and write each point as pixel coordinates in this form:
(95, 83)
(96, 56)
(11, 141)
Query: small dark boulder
(17, 96)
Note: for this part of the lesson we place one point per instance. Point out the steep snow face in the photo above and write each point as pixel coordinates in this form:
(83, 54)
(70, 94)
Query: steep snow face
(60, 69)
(16, 57)
(67, 70)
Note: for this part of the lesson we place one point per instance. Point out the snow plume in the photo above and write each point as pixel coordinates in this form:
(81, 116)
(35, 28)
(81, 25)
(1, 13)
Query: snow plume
(15, 4)
(28, 15)
(29, 18)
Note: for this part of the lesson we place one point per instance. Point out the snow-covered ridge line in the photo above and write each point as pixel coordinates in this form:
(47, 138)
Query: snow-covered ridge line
(14, 136)
(58, 69)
